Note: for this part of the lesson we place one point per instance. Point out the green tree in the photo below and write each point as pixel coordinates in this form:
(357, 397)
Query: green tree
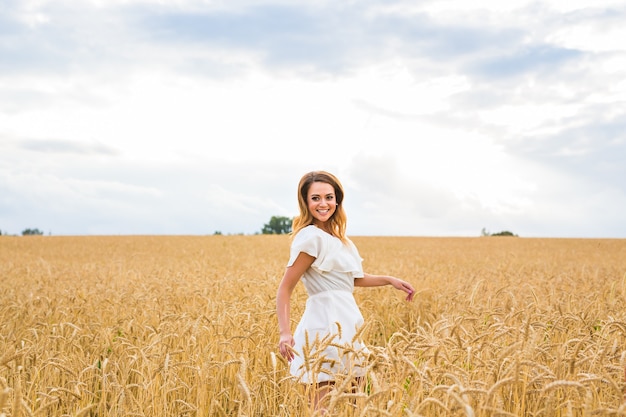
(504, 233)
(278, 225)
(31, 232)
(485, 232)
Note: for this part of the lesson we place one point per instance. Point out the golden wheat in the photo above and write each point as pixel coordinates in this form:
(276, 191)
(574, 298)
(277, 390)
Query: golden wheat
(185, 325)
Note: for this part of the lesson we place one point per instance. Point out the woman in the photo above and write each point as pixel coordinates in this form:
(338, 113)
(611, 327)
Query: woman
(325, 343)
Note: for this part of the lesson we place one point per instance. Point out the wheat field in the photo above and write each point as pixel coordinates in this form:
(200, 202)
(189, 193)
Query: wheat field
(185, 326)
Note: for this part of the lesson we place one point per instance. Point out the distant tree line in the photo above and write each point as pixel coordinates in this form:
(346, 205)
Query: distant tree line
(278, 225)
(484, 232)
(26, 232)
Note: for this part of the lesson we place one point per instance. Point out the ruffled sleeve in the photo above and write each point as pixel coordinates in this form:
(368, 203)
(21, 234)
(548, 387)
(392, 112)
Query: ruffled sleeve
(306, 241)
(330, 253)
(357, 273)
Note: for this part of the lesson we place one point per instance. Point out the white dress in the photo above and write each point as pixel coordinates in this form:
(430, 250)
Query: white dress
(324, 336)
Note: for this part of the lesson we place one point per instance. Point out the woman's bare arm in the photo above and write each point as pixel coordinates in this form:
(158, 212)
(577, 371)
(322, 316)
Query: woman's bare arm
(283, 306)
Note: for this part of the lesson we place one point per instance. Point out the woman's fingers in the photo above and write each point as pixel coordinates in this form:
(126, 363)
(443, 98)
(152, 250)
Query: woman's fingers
(409, 290)
(286, 350)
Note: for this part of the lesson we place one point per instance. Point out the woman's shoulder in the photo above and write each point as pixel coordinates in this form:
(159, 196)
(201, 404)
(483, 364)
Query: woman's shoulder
(308, 232)
(309, 240)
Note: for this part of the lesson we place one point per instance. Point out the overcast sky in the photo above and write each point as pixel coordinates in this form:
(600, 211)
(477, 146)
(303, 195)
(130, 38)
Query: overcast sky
(441, 118)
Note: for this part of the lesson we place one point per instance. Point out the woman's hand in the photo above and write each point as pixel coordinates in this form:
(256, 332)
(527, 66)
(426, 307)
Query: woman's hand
(285, 346)
(403, 286)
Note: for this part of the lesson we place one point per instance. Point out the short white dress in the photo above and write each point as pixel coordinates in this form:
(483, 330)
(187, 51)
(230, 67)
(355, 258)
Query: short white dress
(324, 336)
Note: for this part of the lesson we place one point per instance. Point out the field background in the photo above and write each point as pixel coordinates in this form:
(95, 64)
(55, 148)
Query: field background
(186, 326)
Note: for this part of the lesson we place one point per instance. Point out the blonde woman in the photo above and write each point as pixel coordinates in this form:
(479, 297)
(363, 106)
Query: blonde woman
(329, 266)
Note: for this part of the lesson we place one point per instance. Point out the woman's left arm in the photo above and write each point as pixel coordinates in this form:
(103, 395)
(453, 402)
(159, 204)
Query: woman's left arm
(370, 280)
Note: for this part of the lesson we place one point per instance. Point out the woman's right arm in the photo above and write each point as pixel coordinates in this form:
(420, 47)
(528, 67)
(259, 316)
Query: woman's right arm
(291, 277)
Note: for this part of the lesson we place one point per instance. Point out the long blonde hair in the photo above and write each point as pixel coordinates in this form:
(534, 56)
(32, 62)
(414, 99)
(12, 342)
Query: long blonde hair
(337, 221)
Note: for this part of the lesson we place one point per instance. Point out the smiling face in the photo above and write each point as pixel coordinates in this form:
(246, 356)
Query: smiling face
(322, 202)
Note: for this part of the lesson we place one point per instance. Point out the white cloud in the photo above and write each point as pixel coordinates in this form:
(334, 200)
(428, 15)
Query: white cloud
(440, 117)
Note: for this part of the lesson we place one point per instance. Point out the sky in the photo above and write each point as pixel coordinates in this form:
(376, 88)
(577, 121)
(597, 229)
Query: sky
(440, 118)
